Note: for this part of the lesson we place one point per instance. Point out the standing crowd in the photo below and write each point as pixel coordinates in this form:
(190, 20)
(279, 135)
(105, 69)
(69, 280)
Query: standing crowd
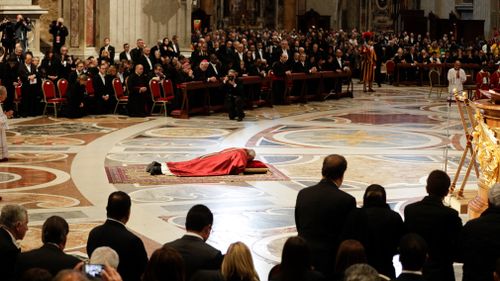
(336, 241)
(216, 55)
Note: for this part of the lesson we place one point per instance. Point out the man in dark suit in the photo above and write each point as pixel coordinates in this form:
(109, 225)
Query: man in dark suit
(30, 88)
(214, 68)
(479, 240)
(412, 255)
(280, 70)
(145, 60)
(103, 90)
(59, 33)
(14, 224)
(114, 234)
(125, 55)
(51, 255)
(338, 66)
(438, 225)
(111, 50)
(321, 211)
(197, 254)
(8, 35)
(174, 44)
(136, 52)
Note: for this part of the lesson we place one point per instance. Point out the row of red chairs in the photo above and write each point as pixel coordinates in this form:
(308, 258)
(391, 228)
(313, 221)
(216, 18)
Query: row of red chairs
(52, 99)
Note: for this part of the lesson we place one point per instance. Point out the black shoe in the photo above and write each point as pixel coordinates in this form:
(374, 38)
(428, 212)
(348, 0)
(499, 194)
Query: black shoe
(240, 119)
(156, 170)
(151, 165)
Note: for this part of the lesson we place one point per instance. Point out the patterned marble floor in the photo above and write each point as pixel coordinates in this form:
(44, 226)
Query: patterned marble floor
(393, 137)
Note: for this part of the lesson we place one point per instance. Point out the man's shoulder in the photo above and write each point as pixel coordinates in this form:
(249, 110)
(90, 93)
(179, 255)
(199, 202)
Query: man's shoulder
(112, 228)
(191, 242)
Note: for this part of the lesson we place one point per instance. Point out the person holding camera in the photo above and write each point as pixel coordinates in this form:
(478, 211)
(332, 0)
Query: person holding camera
(233, 91)
(59, 33)
(8, 35)
(21, 29)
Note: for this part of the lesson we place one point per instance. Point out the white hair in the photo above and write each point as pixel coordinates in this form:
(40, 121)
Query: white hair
(105, 255)
(494, 195)
(361, 272)
(12, 214)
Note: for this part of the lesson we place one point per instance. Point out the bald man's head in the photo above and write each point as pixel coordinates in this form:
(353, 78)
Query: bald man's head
(334, 167)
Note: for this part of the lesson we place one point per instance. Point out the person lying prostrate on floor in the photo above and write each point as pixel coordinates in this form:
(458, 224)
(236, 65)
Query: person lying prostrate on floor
(230, 161)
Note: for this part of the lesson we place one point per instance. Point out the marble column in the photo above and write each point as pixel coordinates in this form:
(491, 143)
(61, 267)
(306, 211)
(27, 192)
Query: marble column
(289, 14)
(124, 21)
(80, 21)
(10, 8)
(483, 11)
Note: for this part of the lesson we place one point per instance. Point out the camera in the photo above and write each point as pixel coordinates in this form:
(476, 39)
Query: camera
(93, 270)
(230, 78)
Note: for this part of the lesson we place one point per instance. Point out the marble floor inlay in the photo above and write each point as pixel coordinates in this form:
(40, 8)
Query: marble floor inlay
(393, 137)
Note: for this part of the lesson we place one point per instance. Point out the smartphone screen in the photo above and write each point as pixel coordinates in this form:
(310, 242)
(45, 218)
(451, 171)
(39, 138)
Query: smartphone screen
(93, 270)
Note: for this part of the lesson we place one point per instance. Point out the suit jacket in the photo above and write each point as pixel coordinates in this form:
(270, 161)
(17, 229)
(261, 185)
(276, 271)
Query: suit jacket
(299, 68)
(111, 51)
(8, 255)
(24, 73)
(480, 246)
(211, 71)
(177, 51)
(136, 53)
(144, 61)
(197, 254)
(48, 257)
(123, 56)
(409, 277)
(336, 65)
(320, 214)
(379, 229)
(439, 226)
(101, 89)
(129, 247)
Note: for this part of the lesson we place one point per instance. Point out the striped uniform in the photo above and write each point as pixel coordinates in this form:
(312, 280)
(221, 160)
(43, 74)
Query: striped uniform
(368, 63)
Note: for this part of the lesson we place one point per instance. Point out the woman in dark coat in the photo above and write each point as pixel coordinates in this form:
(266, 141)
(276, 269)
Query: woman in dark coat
(378, 228)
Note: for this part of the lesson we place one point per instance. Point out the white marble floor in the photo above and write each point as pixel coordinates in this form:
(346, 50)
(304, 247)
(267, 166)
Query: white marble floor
(393, 137)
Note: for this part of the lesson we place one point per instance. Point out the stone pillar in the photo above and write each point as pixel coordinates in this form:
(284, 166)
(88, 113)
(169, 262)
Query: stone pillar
(482, 11)
(10, 8)
(290, 14)
(80, 20)
(124, 21)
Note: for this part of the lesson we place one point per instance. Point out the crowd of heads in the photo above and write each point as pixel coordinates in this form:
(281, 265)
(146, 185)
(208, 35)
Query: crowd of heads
(167, 263)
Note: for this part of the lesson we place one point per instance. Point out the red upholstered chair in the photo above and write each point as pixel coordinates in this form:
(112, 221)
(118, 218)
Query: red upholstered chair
(17, 96)
(62, 86)
(168, 89)
(89, 87)
(119, 94)
(390, 68)
(158, 100)
(49, 96)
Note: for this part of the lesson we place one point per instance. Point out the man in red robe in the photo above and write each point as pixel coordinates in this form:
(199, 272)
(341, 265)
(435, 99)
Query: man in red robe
(495, 80)
(230, 161)
(482, 81)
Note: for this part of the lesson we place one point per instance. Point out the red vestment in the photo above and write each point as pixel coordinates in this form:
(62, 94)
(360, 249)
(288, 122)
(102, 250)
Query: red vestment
(495, 80)
(482, 82)
(230, 161)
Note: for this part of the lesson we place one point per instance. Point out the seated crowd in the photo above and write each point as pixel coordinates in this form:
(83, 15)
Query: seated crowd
(336, 241)
(247, 52)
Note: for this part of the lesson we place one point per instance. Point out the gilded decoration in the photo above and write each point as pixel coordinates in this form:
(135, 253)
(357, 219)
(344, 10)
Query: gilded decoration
(488, 151)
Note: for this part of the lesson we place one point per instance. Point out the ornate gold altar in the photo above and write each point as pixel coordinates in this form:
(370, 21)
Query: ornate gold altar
(481, 123)
(485, 139)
